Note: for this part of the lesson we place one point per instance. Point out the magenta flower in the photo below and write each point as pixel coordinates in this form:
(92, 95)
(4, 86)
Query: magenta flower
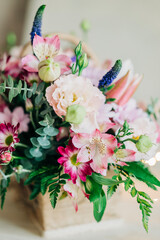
(97, 147)
(8, 137)
(71, 166)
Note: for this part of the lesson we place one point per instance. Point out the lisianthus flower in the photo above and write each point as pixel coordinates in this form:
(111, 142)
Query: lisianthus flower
(71, 165)
(72, 90)
(97, 147)
(8, 137)
(15, 117)
(46, 48)
(122, 156)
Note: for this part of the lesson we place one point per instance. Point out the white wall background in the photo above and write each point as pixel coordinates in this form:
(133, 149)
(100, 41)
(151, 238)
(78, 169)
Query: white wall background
(120, 29)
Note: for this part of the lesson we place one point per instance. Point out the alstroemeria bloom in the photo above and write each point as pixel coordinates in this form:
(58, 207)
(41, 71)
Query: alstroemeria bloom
(71, 165)
(97, 147)
(122, 156)
(43, 49)
(8, 137)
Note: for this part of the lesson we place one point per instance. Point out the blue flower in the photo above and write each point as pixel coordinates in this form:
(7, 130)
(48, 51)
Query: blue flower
(37, 23)
(111, 75)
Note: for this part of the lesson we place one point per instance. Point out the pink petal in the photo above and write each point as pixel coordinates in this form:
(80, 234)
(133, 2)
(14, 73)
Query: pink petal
(80, 139)
(64, 62)
(30, 63)
(46, 47)
(130, 90)
(84, 155)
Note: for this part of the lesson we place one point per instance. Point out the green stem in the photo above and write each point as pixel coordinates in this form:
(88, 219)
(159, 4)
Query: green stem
(16, 157)
(31, 118)
(21, 145)
(130, 139)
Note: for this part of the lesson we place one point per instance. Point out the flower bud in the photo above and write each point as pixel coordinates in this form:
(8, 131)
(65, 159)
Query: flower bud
(144, 144)
(5, 158)
(83, 61)
(85, 25)
(78, 49)
(63, 132)
(75, 114)
(19, 169)
(28, 105)
(48, 70)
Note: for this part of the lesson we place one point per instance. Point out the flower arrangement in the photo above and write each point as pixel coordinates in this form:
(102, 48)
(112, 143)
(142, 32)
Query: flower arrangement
(64, 123)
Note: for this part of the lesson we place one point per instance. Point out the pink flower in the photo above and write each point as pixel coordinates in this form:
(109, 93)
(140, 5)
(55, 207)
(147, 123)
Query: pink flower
(71, 165)
(15, 117)
(97, 147)
(72, 190)
(8, 137)
(5, 158)
(70, 90)
(43, 49)
(122, 156)
(10, 65)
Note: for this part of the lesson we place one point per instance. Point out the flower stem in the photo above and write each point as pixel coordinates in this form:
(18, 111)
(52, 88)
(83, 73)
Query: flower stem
(21, 145)
(31, 118)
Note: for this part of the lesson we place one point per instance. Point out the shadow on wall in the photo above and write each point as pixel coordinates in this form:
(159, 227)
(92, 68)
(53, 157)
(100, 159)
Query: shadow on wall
(11, 19)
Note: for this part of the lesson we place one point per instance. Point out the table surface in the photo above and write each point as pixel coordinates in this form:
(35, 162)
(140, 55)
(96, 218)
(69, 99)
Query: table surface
(16, 225)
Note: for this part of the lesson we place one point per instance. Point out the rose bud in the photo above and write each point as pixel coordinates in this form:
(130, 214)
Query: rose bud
(75, 114)
(144, 144)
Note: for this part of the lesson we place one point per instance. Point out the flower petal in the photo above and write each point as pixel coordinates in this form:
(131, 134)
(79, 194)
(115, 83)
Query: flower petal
(46, 47)
(64, 62)
(30, 63)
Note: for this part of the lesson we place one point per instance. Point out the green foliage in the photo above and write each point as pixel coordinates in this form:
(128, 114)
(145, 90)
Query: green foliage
(145, 207)
(104, 181)
(142, 173)
(16, 88)
(92, 188)
(99, 206)
(111, 190)
(47, 178)
(4, 183)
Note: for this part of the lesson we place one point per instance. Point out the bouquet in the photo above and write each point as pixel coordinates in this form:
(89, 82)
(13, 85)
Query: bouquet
(65, 122)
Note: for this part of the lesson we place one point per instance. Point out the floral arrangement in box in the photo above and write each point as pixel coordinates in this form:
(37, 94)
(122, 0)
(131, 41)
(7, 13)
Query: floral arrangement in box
(64, 122)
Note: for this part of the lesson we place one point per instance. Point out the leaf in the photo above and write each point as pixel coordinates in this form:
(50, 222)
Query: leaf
(36, 190)
(3, 189)
(127, 184)
(54, 196)
(65, 176)
(25, 91)
(43, 141)
(40, 131)
(141, 172)
(104, 181)
(11, 94)
(34, 141)
(51, 131)
(99, 206)
(19, 86)
(133, 192)
(111, 190)
(35, 152)
(38, 98)
(92, 188)
(34, 88)
(145, 195)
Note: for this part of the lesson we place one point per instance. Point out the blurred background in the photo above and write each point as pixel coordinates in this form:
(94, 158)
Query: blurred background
(120, 29)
